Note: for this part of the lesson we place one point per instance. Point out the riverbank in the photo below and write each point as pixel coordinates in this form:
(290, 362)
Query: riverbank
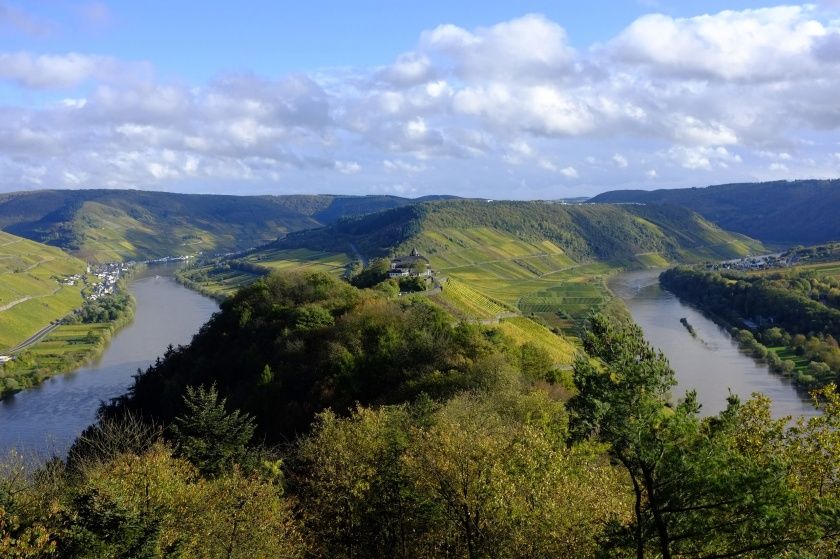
(47, 418)
(183, 278)
(78, 340)
(711, 362)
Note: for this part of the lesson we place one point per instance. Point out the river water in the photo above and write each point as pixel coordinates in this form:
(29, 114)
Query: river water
(710, 363)
(48, 418)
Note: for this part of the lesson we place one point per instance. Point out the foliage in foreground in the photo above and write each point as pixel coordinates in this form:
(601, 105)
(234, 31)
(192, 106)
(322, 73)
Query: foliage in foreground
(495, 467)
(295, 344)
(727, 486)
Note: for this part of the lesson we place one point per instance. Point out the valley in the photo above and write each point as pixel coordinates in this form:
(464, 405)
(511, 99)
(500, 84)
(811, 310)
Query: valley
(543, 260)
(419, 280)
(121, 225)
(314, 343)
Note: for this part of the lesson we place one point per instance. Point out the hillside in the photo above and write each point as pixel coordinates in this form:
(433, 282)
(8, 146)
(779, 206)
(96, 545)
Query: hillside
(111, 225)
(782, 212)
(31, 295)
(536, 258)
(618, 234)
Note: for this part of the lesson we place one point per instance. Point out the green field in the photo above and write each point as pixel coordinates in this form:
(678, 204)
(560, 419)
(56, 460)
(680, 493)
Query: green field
(72, 341)
(30, 293)
(223, 279)
(532, 278)
(524, 330)
(467, 303)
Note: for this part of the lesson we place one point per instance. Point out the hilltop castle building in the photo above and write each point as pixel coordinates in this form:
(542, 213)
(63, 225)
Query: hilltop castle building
(413, 265)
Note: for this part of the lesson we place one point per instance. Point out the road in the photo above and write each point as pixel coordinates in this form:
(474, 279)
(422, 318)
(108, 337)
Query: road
(35, 338)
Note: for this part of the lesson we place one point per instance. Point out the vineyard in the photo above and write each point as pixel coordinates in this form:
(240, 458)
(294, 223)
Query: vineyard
(523, 330)
(31, 295)
(469, 303)
(300, 259)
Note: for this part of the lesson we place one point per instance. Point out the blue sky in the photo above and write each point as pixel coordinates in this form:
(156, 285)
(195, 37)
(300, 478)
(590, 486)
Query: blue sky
(197, 40)
(526, 99)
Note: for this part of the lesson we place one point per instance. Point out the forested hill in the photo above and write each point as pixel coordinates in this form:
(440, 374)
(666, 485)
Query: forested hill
(613, 233)
(781, 212)
(108, 225)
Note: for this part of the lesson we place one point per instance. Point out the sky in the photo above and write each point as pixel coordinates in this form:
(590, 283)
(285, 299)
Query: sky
(495, 99)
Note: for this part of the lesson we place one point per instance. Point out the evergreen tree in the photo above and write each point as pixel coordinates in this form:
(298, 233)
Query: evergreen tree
(209, 436)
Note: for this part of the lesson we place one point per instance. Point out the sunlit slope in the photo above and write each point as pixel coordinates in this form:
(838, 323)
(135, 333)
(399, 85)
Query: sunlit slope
(223, 278)
(110, 225)
(542, 259)
(31, 295)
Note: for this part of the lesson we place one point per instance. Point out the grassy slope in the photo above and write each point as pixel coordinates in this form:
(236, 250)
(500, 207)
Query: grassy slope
(29, 293)
(111, 225)
(781, 212)
(551, 260)
(532, 258)
(223, 280)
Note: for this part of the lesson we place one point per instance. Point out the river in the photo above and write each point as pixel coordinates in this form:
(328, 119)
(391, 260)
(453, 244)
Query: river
(47, 418)
(710, 363)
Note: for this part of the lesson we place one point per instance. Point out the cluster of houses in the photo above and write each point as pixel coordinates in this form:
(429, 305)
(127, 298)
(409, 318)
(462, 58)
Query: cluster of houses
(764, 262)
(167, 259)
(109, 274)
(414, 265)
(72, 280)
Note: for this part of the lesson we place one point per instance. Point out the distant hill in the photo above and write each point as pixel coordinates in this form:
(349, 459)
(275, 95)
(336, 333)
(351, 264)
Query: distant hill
(108, 225)
(538, 259)
(611, 233)
(782, 212)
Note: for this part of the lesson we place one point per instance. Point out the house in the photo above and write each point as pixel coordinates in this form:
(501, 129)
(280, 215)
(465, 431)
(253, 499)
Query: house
(413, 265)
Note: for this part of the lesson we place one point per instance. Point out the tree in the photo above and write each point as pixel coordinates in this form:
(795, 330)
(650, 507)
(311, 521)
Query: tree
(504, 485)
(357, 497)
(700, 491)
(209, 436)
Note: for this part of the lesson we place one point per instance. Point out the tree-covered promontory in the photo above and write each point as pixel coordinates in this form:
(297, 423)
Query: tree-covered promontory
(312, 419)
(293, 345)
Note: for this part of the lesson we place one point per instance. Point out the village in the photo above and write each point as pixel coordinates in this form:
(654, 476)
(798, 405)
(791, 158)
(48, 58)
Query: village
(107, 274)
(751, 263)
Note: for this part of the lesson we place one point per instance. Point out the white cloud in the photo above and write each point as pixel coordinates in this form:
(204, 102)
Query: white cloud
(399, 166)
(691, 130)
(453, 114)
(569, 172)
(703, 158)
(763, 44)
(524, 48)
(64, 70)
(347, 167)
(409, 69)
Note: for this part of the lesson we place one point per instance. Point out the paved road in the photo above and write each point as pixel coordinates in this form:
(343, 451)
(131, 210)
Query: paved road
(35, 338)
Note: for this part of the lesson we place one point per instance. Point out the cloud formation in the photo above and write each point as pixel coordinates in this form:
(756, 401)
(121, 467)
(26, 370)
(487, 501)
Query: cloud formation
(509, 110)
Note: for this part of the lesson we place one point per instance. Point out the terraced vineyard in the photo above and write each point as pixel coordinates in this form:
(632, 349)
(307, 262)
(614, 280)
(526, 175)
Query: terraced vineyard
(524, 330)
(468, 303)
(300, 259)
(532, 278)
(31, 295)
